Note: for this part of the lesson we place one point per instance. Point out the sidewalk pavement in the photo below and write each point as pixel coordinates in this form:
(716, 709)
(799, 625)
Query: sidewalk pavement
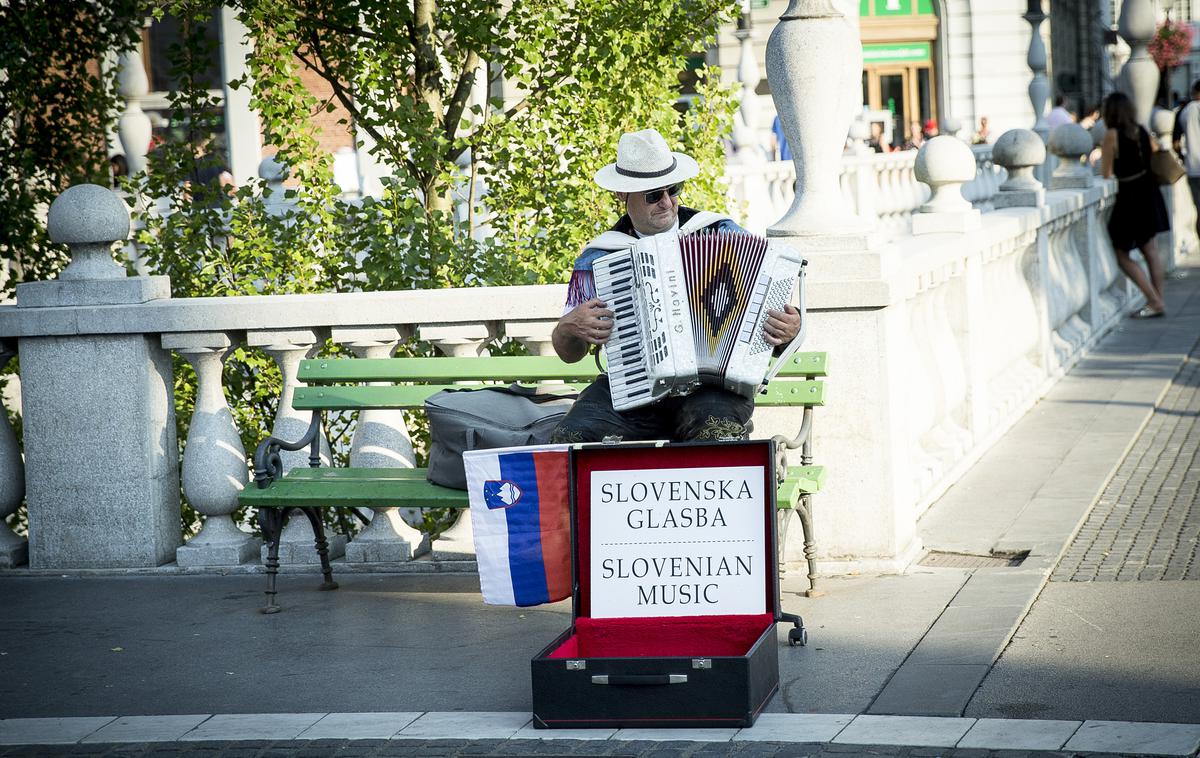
(1090, 644)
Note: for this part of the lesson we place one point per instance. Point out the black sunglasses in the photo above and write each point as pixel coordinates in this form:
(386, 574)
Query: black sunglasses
(653, 196)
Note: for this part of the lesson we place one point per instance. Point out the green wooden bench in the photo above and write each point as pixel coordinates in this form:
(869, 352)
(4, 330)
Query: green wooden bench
(338, 385)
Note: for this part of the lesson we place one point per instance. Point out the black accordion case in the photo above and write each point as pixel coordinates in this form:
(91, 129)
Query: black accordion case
(676, 590)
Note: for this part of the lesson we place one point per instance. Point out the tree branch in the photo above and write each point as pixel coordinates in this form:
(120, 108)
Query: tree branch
(462, 93)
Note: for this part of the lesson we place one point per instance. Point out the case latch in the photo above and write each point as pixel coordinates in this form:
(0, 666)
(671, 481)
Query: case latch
(702, 663)
(576, 665)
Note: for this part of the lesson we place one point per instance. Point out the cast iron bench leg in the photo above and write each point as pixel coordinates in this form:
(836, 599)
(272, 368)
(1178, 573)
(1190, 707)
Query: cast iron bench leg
(804, 509)
(314, 518)
(271, 521)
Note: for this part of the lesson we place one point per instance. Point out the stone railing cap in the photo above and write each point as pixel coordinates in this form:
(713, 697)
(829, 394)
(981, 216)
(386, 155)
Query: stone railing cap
(1070, 140)
(945, 159)
(87, 213)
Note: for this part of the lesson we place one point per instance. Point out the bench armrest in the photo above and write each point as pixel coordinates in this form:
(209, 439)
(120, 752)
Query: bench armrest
(268, 466)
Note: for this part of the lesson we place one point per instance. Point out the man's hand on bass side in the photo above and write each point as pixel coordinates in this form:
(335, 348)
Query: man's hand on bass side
(590, 322)
(781, 326)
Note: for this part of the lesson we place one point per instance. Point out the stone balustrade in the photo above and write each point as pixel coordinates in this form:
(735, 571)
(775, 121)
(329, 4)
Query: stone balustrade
(938, 340)
(879, 186)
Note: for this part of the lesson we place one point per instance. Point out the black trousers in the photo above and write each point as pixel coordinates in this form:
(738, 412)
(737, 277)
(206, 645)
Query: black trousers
(709, 413)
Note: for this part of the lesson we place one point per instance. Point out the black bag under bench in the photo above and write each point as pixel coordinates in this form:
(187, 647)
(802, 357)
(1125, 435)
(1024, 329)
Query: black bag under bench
(693, 669)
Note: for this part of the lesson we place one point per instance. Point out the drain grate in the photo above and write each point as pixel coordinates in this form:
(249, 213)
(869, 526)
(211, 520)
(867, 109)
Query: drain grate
(965, 560)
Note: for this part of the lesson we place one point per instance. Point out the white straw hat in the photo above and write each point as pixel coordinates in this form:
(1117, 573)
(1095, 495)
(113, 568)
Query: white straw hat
(644, 162)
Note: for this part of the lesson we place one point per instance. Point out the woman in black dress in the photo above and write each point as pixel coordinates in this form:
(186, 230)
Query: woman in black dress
(1139, 213)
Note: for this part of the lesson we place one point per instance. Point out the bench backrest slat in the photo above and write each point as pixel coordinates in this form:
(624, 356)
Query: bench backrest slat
(526, 369)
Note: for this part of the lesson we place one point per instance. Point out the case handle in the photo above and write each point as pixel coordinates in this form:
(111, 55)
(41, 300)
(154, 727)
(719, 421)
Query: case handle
(639, 680)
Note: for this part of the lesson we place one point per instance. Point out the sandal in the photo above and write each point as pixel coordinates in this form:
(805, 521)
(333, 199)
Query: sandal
(1149, 312)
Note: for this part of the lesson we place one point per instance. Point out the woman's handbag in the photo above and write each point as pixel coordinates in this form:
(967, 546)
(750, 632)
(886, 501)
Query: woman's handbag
(1166, 167)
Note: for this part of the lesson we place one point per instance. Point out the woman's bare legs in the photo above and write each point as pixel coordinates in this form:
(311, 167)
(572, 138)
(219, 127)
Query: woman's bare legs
(1158, 277)
(1137, 274)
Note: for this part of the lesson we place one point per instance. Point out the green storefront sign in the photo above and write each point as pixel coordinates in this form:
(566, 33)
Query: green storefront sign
(907, 52)
(894, 7)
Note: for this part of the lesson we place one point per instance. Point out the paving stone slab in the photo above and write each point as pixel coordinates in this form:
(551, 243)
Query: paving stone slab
(795, 727)
(531, 732)
(473, 725)
(253, 726)
(929, 689)
(673, 735)
(359, 726)
(50, 731)
(147, 728)
(904, 730)
(1136, 737)
(1018, 734)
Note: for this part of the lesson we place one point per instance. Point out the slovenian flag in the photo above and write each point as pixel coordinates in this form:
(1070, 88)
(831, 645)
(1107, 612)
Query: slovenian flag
(522, 523)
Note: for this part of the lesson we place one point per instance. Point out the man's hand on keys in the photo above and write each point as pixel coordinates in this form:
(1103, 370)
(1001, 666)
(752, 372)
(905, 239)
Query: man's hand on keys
(590, 322)
(781, 326)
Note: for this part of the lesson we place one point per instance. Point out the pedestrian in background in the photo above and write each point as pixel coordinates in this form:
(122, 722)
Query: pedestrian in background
(1186, 140)
(1139, 213)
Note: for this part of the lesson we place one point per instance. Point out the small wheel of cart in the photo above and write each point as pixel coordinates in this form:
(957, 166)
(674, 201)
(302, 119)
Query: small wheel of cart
(798, 636)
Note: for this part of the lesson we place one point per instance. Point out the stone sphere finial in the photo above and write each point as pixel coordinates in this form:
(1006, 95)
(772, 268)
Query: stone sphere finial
(1162, 123)
(89, 218)
(272, 170)
(1071, 143)
(1019, 151)
(86, 214)
(945, 164)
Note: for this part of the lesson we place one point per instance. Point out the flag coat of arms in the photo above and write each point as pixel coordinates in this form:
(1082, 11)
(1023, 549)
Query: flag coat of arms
(521, 519)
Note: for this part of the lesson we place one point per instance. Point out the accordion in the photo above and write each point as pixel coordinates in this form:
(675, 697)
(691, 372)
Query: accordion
(691, 309)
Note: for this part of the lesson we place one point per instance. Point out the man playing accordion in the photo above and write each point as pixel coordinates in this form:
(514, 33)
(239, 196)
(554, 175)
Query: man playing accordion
(647, 178)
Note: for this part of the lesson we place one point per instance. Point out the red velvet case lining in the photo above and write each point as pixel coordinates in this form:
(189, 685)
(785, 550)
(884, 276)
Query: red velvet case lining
(666, 636)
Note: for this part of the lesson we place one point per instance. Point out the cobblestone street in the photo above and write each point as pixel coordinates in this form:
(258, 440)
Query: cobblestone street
(1146, 525)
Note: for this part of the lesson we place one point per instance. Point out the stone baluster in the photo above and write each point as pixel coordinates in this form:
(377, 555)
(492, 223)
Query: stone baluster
(133, 127)
(1071, 144)
(14, 550)
(214, 461)
(1039, 86)
(1139, 75)
(814, 60)
(534, 335)
(275, 173)
(1020, 151)
(381, 441)
(458, 341)
(745, 128)
(288, 348)
(945, 164)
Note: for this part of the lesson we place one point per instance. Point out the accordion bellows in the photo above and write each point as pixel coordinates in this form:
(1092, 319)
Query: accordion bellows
(691, 309)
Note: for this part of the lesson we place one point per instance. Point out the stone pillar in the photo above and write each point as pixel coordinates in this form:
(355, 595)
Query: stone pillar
(13, 549)
(1139, 75)
(242, 130)
(1071, 144)
(288, 348)
(1039, 86)
(1020, 151)
(381, 441)
(534, 335)
(813, 58)
(214, 462)
(102, 463)
(945, 163)
(133, 127)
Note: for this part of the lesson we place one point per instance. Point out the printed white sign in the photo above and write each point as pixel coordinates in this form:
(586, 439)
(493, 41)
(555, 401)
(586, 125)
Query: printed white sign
(678, 542)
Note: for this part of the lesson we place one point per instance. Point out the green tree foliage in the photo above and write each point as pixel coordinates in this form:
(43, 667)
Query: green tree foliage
(57, 104)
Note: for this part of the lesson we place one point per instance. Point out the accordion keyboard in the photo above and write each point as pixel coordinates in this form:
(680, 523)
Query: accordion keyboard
(627, 368)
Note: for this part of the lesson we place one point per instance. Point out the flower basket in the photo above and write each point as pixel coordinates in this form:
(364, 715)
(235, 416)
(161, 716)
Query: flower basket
(1172, 43)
